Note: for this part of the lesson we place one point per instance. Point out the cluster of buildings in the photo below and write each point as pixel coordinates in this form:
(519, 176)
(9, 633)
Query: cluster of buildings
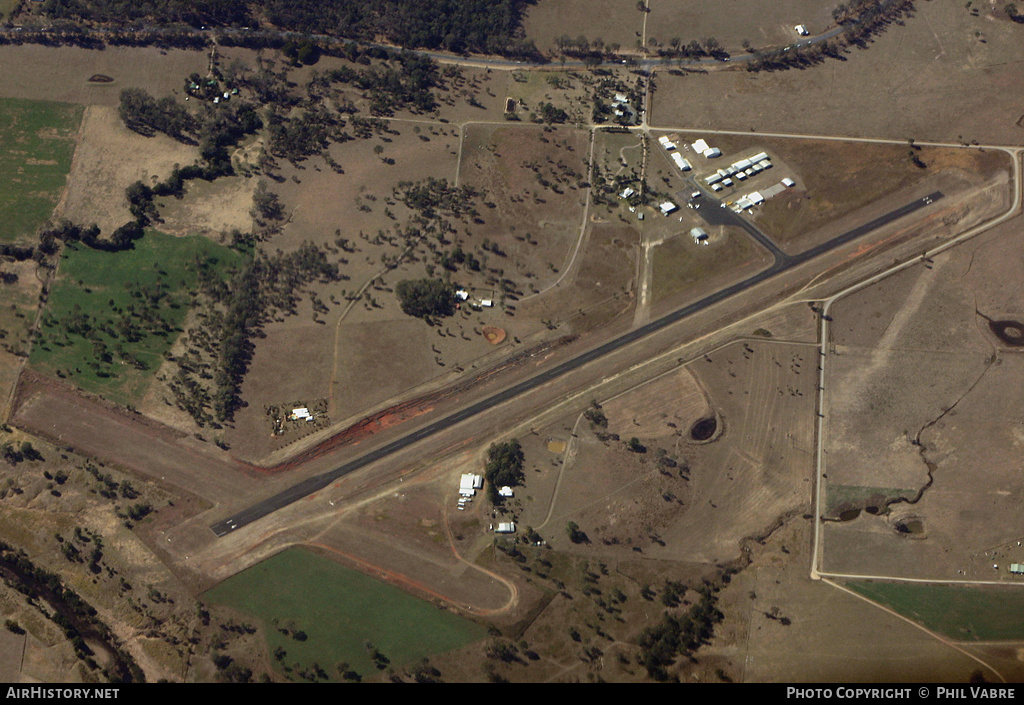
(673, 149)
(622, 108)
(462, 296)
(740, 171)
(709, 152)
(208, 90)
(468, 485)
(756, 198)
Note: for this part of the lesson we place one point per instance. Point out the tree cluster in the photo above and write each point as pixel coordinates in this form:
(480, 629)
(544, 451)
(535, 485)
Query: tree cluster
(390, 87)
(426, 298)
(678, 634)
(147, 115)
(504, 468)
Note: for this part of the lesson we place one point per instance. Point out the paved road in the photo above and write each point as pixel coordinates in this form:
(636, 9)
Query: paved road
(318, 482)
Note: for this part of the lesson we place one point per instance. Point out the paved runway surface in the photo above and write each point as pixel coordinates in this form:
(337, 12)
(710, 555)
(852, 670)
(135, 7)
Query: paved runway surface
(318, 482)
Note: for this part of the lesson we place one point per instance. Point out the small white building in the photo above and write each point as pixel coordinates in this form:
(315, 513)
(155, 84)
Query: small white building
(461, 294)
(505, 492)
(756, 198)
(486, 303)
(301, 413)
(667, 207)
(801, 30)
(626, 193)
(699, 235)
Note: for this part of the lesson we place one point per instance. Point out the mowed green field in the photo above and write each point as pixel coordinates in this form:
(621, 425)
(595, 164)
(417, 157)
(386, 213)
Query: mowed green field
(340, 610)
(963, 613)
(37, 142)
(112, 315)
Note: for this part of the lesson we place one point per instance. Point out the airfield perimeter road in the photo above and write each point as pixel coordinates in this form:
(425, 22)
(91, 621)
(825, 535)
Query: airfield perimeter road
(313, 484)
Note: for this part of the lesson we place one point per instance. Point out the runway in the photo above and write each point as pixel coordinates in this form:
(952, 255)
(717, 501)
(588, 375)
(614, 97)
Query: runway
(781, 264)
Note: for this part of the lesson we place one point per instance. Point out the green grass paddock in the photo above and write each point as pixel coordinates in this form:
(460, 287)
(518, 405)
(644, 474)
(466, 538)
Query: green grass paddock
(964, 613)
(99, 292)
(37, 142)
(339, 610)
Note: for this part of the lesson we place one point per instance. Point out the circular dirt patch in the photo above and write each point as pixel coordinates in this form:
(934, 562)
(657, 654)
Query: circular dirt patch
(1010, 332)
(704, 430)
(494, 335)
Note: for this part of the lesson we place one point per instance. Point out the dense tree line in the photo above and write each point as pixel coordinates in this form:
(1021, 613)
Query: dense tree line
(491, 26)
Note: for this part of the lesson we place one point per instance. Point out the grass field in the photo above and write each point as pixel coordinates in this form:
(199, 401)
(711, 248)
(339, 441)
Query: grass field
(340, 611)
(37, 141)
(964, 613)
(112, 315)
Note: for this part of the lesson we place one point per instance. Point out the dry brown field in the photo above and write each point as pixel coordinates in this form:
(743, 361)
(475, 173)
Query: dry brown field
(755, 467)
(614, 21)
(51, 409)
(841, 183)
(67, 71)
(783, 627)
(109, 158)
(941, 56)
(916, 407)
(210, 208)
(533, 176)
(684, 270)
(765, 23)
(598, 289)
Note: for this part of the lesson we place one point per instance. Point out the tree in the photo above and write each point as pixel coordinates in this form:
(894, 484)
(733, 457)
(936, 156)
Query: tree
(576, 535)
(636, 446)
